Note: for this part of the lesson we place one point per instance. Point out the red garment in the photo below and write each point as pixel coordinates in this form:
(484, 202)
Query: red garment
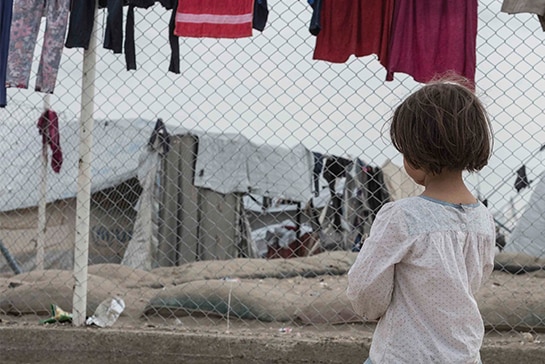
(48, 125)
(353, 27)
(214, 19)
(433, 37)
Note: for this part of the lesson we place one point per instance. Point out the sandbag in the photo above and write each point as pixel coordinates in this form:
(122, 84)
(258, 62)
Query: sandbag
(512, 302)
(327, 263)
(518, 263)
(238, 299)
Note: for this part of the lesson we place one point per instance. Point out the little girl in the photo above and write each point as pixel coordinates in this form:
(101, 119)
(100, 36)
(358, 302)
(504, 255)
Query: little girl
(426, 256)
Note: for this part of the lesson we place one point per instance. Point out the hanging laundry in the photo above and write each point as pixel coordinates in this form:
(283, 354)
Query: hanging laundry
(261, 14)
(80, 25)
(129, 43)
(113, 35)
(174, 65)
(335, 167)
(317, 171)
(351, 27)
(5, 23)
(433, 37)
(48, 125)
(315, 25)
(82, 19)
(521, 182)
(526, 6)
(214, 19)
(25, 26)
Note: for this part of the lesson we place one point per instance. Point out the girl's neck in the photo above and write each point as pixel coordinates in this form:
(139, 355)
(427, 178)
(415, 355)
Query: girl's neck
(448, 186)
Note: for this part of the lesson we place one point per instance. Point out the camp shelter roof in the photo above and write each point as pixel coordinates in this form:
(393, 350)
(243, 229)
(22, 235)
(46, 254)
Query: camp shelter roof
(116, 148)
(234, 164)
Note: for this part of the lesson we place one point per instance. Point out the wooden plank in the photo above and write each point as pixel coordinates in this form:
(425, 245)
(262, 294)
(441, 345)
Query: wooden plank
(188, 208)
(168, 211)
(219, 225)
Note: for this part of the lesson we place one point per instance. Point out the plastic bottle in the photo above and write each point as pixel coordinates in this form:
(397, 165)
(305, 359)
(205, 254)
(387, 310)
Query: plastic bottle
(107, 312)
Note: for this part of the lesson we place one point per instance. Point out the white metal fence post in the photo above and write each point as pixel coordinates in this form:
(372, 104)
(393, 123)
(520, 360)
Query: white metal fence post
(83, 204)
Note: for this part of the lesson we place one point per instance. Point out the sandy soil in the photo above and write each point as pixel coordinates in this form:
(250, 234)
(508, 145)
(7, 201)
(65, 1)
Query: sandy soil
(305, 295)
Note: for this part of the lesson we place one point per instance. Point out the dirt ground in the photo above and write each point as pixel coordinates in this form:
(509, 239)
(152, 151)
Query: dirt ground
(311, 320)
(204, 340)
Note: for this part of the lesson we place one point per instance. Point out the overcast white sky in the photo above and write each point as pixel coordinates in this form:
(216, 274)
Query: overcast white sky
(268, 88)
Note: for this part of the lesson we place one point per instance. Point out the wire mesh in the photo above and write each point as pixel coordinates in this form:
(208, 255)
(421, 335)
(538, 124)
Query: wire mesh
(225, 220)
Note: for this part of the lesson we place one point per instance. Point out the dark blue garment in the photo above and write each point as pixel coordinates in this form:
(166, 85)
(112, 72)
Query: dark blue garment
(315, 25)
(317, 171)
(113, 35)
(130, 47)
(174, 65)
(5, 25)
(80, 25)
(335, 167)
(261, 14)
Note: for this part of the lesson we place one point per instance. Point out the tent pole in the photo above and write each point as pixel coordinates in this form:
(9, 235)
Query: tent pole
(83, 198)
(40, 239)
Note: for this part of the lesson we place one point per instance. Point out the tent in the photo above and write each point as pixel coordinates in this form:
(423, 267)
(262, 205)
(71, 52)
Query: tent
(528, 236)
(157, 209)
(190, 216)
(398, 181)
(115, 190)
(341, 222)
(200, 207)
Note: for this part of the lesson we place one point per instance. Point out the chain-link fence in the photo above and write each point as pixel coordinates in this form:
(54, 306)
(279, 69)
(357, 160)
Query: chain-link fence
(252, 198)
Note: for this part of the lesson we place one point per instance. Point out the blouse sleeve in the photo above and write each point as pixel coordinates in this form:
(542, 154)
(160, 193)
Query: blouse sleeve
(371, 277)
(487, 249)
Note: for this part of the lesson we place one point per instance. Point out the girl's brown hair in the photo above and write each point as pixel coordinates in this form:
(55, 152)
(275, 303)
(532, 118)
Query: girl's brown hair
(443, 125)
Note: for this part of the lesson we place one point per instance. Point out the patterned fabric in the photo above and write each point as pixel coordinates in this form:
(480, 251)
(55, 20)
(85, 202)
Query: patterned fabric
(25, 25)
(418, 273)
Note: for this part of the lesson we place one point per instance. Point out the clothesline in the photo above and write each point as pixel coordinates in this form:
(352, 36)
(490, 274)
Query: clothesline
(405, 38)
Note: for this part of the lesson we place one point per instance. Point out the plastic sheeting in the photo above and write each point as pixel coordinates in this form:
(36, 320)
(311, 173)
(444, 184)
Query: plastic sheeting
(143, 244)
(529, 234)
(227, 163)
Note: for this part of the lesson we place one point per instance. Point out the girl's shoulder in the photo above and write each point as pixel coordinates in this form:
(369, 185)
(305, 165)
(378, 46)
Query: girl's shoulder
(421, 214)
(407, 203)
(418, 202)
(422, 208)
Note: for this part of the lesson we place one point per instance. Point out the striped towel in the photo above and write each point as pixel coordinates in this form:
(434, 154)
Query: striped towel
(214, 18)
